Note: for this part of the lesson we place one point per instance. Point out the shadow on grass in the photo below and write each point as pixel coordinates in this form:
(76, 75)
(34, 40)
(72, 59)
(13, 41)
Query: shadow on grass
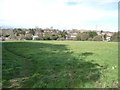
(46, 65)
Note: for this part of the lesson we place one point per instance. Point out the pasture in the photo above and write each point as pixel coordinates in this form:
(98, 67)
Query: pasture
(59, 64)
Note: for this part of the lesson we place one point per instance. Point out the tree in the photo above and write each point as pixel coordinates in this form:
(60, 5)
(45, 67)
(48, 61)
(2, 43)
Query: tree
(62, 34)
(22, 36)
(28, 36)
(18, 31)
(12, 35)
(54, 37)
(6, 33)
(115, 37)
(40, 36)
(101, 31)
(46, 36)
(105, 36)
(32, 31)
(78, 37)
(92, 34)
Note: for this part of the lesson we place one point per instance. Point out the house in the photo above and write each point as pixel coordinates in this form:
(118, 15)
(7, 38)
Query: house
(109, 35)
(4, 38)
(108, 38)
(71, 34)
(34, 37)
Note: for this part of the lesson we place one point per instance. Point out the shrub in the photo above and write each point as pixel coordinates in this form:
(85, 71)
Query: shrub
(28, 37)
(53, 37)
(90, 39)
(38, 38)
(82, 36)
(98, 38)
(61, 39)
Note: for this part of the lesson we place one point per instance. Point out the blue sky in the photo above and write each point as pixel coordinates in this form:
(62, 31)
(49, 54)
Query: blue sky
(61, 14)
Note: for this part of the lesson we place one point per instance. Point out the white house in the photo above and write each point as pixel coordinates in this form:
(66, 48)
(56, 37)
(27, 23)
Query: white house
(34, 37)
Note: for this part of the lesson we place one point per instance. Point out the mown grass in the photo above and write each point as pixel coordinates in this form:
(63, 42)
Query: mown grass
(60, 64)
(0, 65)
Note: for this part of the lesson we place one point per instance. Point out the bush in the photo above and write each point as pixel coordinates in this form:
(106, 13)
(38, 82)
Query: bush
(61, 39)
(98, 38)
(82, 36)
(53, 37)
(38, 38)
(90, 39)
(28, 37)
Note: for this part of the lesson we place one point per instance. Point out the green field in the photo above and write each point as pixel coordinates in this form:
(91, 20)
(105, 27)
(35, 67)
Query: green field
(59, 64)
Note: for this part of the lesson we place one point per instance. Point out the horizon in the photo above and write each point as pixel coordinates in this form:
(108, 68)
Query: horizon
(61, 14)
(85, 30)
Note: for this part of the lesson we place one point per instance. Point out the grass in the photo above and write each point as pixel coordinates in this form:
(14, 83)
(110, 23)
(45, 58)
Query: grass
(0, 65)
(60, 64)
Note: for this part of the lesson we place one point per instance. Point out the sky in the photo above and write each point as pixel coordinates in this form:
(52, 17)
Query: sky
(61, 14)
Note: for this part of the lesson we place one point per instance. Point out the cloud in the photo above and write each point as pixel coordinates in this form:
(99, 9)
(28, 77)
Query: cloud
(58, 13)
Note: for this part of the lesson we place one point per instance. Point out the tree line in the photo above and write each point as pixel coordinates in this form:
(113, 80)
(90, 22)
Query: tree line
(55, 34)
